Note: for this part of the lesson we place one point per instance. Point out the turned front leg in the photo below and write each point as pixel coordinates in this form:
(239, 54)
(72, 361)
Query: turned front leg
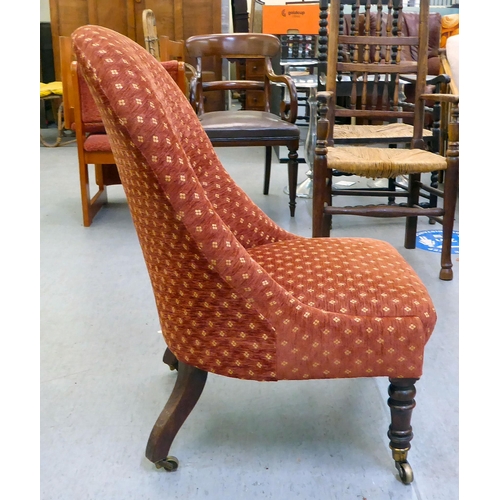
(401, 402)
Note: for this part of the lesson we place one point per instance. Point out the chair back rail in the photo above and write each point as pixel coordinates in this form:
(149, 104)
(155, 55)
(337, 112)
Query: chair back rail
(366, 53)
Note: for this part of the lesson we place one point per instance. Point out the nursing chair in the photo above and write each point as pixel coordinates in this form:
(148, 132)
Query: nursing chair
(237, 295)
(83, 117)
(376, 64)
(255, 125)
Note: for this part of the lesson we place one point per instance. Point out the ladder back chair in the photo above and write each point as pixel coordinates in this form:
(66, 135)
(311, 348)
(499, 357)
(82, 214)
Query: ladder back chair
(375, 65)
(220, 268)
(371, 130)
(248, 127)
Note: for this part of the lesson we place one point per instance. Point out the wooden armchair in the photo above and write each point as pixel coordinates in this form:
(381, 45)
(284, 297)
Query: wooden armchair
(83, 117)
(375, 63)
(373, 130)
(255, 124)
(221, 269)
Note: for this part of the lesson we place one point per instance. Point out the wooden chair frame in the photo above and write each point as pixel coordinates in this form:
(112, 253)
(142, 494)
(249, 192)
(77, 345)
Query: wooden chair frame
(323, 208)
(259, 49)
(106, 173)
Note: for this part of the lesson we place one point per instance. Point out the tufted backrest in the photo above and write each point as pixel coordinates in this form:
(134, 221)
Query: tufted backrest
(192, 220)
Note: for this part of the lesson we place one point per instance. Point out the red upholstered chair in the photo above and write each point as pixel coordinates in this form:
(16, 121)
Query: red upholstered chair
(236, 294)
(83, 117)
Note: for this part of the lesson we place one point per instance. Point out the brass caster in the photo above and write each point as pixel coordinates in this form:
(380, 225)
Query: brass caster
(170, 464)
(174, 366)
(405, 472)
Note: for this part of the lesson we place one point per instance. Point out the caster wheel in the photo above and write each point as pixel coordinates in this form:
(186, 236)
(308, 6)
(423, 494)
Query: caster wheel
(170, 464)
(405, 472)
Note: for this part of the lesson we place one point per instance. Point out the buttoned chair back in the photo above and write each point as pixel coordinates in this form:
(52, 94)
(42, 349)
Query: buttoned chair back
(236, 294)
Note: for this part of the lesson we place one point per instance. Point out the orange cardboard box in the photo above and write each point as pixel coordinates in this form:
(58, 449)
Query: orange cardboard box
(293, 19)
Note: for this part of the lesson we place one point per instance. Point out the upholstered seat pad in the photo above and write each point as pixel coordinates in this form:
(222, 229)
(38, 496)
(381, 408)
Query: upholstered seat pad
(97, 142)
(251, 124)
(372, 133)
(359, 278)
(383, 162)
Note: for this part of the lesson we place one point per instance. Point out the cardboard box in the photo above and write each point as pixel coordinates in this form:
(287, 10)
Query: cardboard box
(290, 19)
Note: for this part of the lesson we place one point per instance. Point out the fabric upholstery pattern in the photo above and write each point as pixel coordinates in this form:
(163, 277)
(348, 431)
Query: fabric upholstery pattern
(97, 142)
(220, 268)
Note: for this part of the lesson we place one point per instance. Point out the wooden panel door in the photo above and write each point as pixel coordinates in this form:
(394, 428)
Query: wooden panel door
(177, 19)
(67, 15)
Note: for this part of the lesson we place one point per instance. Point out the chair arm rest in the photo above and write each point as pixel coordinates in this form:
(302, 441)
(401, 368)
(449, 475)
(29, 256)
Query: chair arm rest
(326, 112)
(429, 80)
(292, 106)
(195, 92)
(441, 98)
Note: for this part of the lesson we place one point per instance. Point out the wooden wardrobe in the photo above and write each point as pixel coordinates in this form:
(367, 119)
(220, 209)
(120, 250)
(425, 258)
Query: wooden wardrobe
(178, 19)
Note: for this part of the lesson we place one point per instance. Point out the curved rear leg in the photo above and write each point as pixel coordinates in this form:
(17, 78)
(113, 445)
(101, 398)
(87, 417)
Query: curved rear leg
(170, 359)
(187, 390)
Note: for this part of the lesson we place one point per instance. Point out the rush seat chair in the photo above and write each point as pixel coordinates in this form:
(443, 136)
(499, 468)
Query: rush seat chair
(236, 294)
(378, 58)
(255, 125)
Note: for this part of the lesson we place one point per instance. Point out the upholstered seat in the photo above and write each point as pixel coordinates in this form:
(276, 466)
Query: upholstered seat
(244, 124)
(236, 294)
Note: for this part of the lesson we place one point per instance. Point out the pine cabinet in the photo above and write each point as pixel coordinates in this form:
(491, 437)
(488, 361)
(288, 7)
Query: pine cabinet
(178, 19)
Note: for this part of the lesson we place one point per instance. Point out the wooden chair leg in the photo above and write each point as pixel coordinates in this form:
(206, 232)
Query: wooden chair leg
(90, 205)
(293, 173)
(401, 402)
(411, 222)
(267, 172)
(449, 204)
(187, 390)
(170, 359)
(450, 181)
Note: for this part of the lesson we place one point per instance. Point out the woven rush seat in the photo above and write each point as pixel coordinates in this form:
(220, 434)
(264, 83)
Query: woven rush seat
(363, 133)
(383, 162)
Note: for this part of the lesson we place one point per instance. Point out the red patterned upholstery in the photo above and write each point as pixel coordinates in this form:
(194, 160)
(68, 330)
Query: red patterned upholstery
(236, 294)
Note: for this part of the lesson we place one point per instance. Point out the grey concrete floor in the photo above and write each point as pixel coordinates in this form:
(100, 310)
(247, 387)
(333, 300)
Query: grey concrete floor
(103, 382)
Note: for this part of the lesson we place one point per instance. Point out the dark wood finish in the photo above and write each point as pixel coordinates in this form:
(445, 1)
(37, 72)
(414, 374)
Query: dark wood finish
(257, 126)
(377, 66)
(170, 359)
(239, 12)
(401, 403)
(187, 390)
